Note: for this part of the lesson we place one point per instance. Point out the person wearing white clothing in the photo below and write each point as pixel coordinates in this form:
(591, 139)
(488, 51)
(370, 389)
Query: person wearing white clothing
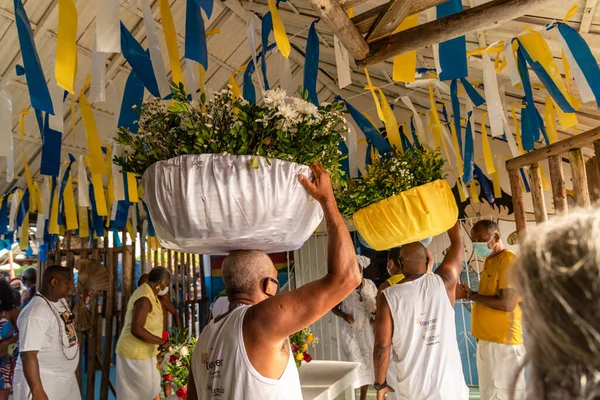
(246, 353)
(49, 351)
(219, 307)
(415, 318)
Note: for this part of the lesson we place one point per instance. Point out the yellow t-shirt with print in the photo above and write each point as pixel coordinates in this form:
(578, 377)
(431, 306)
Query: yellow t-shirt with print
(495, 325)
(392, 280)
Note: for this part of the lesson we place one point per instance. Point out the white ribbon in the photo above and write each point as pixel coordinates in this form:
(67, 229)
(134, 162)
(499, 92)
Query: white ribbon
(98, 84)
(14, 205)
(57, 93)
(511, 63)
(115, 100)
(342, 63)
(193, 85)
(108, 28)
(492, 96)
(423, 83)
(6, 137)
(418, 121)
(510, 139)
(585, 91)
(285, 80)
(117, 176)
(155, 53)
(83, 194)
(251, 35)
(113, 210)
(432, 16)
(10, 163)
(40, 228)
(352, 144)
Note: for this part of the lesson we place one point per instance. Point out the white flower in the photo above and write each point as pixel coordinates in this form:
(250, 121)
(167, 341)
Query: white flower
(289, 113)
(306, 108)
(184, 351)
(274, 98)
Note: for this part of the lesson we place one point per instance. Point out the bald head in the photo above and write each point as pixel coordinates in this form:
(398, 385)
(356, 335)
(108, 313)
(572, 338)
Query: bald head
(245, 270)
(413, 258)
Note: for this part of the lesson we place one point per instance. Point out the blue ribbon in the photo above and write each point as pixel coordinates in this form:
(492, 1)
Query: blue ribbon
(456, 110)
(529, 122)
(96, 220)
(4, 216)
(133, 96)
(468, 154)
(23, 208)
(43, 252)
(267, 27)
(19, 70)
(207, 6)
(474, 95)
(583, 57)
(527, 189)
(404, 140)
(413, 132)
(485, 185)
(547, 81)
(36, 81)
(39, 116)
(248, 91)
(139, 60)
(368, 159)
(150, 225)
(453, 52)
(311, 64)
(51, 149)
(195, 34)
(372, 134)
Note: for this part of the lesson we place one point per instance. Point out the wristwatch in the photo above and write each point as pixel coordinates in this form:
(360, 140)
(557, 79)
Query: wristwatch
(379, 387)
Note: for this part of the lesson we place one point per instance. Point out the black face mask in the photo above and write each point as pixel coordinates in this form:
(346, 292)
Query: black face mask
(266, 286)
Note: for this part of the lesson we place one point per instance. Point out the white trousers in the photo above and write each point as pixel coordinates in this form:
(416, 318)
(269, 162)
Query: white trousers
(498, 366)
(137, 379)
(57, 387)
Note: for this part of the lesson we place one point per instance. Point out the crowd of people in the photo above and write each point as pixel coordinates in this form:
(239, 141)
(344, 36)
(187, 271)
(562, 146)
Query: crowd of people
(402, 333)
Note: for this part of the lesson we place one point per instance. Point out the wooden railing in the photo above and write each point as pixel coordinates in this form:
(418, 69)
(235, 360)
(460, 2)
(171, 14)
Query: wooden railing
(553, 153)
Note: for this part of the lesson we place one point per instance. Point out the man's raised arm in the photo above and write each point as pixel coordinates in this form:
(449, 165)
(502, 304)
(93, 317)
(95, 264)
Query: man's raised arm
(449, 270)
(280, 316)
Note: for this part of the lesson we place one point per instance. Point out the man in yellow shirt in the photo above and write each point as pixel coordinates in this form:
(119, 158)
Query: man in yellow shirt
(496, 317)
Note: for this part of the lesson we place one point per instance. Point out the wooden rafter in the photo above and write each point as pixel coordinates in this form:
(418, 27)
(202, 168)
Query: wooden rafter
(390, 19)
(588, 15)
(337, 20)
(486, 16)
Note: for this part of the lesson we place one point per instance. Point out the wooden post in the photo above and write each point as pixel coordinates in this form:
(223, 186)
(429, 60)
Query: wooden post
(559, 189)
(518, 202)
(580, 187)
(108, 332)
(390, 19)
(127, 280)
(537, 192)
(11, 263)
(92, 335)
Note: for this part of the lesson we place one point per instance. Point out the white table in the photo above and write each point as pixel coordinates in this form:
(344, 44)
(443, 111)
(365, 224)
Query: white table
(325, 380)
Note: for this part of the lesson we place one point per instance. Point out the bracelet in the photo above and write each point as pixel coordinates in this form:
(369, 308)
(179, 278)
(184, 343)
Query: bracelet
(166, 341)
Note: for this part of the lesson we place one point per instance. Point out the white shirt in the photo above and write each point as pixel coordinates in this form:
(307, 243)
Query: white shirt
(424, 345)
(220, 306)
(39, 331)
(222, 369)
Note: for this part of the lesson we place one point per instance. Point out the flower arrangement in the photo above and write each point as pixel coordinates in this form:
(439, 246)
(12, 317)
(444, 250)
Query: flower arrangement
(299, 342)
(177, 361)
(390, 175)
(287, 128)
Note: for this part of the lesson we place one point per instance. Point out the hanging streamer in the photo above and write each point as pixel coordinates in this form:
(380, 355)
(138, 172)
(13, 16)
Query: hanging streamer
(267, 27)
(195, 36)
(235, 87)
(492, 96)
(133, 97)
(487, 150)
(283, 44)
(405, 64)
(251, 28)
(23, 113)
(550, 119)
(171, 38)
(453, 52)
(82, 184)
(352, 144)
(372, 88)
(191, 79)
(30, 187)
(98, 84)
(285, 78)
(53, 227)
(342, 63)
(473, 94)
(369, 130)
(69, 199)
(57, 94)
(156, 57)
(107, 26)
(418, 121)
(311, 64)
(457, 148)
(207, 6)
(456, 112)
(469, 151)
(415, 134)
(510, 55)
(93, 140)
(485, 186)
(6, 137)
(51, 150)
(36, 81)
(139, 60)
(391, 125)
(528, 116)
(66, 45)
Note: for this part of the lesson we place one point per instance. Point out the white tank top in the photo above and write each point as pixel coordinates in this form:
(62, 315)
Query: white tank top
(425, 349)
(222, 370)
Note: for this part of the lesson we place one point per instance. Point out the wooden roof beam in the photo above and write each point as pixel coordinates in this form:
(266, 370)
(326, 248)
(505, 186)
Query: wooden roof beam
(588, 15)
(486, 16)
(390, 19)
(365, 20)
(338, 22)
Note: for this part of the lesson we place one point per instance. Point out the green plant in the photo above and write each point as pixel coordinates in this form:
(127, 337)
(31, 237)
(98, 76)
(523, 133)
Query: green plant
(300, 342)
(176, 363)
(388, 176)
(290, 129)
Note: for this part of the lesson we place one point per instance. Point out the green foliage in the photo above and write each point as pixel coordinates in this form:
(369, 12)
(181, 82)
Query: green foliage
(388, 176)
(290, 129)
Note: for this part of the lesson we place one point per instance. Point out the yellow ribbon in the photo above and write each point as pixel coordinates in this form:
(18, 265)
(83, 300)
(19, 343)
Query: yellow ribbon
(53, 227)
(283, 44)
(438, 135)
(235, 88)
(70, 207)
(497, 48)
(99, 196)
(550, 120)
(66, 45)
(130, 230)
(456, 149)
(38, 198)
(405, 64)
(474, 195)
(91, 132)
(132, 187)
(32, 194)
(545, 182)
(24, 112)
(570, 13)
(371, 120)
(84, 230)
(391, 125)
(24, 240)
(375, 100)
(211, 32)
(351, 12)
(497, 187)
(487, 151)
(516, 125)
(171, 38)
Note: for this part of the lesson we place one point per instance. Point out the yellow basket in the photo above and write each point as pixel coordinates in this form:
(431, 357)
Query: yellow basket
(408, 217)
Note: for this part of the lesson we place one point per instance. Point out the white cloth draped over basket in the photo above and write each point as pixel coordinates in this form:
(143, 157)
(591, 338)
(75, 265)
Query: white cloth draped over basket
(214, 204)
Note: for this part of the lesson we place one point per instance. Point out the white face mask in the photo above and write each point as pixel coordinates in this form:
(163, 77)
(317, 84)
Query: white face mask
(163, 291)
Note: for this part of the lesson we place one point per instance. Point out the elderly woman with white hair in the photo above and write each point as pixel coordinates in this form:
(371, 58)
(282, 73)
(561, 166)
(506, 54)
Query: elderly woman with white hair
(558, 277)
(356, 333)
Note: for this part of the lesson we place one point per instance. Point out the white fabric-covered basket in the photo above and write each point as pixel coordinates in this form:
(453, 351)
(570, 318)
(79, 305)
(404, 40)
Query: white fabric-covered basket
(214, 204)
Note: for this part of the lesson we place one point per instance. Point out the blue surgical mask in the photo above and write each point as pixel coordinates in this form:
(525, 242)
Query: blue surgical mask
(482, 249)
(426, 242)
